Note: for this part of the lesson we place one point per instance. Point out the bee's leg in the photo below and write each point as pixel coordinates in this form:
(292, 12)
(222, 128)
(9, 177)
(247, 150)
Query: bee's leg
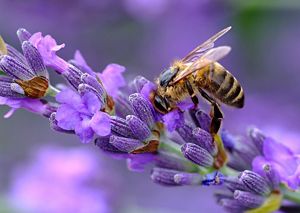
(215, 113)
(217, 117)
(192, 93)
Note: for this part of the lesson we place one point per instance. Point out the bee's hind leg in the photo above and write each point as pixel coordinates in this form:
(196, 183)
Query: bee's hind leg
(215, 113)
(217, 117)
(192, 93)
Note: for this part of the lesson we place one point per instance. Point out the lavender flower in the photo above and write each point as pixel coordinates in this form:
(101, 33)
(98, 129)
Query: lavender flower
(136, 130)
(32, 105)
(263, 152)
(111, 77)
(57, 176)
(90, 105)
(27, 78)
(250, 192)
(48, 47)
(198, 144)
(280, 158)
(178, 145)
(82, 114)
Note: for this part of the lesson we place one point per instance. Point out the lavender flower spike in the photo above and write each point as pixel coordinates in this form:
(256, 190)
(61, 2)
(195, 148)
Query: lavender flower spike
(250, 192)
(124, 144)
(248, 199)
(164, 176)
(142, 108)
(188, 179)
(255, 182)
(138, 127)
(23, 35)
(197, 154)
(27, 79)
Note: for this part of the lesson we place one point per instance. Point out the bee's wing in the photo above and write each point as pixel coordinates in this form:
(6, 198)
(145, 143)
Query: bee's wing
(208, 44)
(3, 49)
(212, 55)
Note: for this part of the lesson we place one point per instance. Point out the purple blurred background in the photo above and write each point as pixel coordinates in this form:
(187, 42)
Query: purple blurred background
(146, 36)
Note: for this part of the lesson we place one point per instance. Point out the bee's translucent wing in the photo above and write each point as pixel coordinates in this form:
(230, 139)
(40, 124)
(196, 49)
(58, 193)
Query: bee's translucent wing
(208, 44)
(3, 49)
(212, 55)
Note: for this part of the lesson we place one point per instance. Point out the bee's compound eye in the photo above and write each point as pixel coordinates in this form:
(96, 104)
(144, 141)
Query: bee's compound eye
(160, 104)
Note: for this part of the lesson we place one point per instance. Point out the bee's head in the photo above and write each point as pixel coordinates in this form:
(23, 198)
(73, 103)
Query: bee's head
(167, 76)
(160, 104)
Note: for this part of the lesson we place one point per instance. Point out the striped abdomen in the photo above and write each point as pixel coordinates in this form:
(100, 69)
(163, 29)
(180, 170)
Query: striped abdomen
(220, 84)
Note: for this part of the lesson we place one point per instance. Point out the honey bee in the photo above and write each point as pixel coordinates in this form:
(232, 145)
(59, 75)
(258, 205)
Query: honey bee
(199, 73)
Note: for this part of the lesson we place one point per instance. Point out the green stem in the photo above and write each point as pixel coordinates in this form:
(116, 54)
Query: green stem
(293, 196)
(174, 148)
(171, 147)
(52, 91)
(228, 171)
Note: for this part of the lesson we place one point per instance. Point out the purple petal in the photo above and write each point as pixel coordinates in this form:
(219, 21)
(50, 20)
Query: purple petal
(91, 102)
(280, 154)
(265, 169)
(48, 47)
(185, 105)
(112, 78)
(173, 120)
(81, 63)
(67, 117)
(84, 131)
(147, 89)
(100, 123)
(32, 105)
(68, 96)
(137, 163)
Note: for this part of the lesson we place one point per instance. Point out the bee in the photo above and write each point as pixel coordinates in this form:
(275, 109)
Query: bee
(199, 73)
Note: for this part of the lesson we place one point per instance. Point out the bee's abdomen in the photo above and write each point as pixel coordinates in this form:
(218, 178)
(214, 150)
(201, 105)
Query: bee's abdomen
(230, 91)
(224, 86)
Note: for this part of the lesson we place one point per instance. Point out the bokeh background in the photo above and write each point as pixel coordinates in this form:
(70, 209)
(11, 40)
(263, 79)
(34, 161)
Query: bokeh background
(145, 36)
